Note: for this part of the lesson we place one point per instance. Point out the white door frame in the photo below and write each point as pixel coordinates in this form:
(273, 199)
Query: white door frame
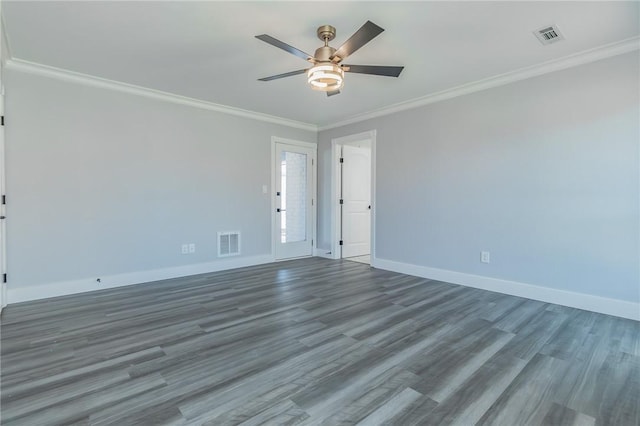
(314, 167)
(336, 144)
(3, 212)
(4, 54)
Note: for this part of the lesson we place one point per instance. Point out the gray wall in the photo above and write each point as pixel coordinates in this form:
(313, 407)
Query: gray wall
(543, 173)
(101, 182)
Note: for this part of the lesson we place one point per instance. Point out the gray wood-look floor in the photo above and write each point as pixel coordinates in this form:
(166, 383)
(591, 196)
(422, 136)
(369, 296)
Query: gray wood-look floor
(314, 341)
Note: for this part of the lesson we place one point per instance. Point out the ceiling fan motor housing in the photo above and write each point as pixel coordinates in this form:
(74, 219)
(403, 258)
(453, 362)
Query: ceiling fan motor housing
(324, 54)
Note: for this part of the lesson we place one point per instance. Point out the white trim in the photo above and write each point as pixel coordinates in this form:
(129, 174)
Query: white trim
(603, 305)
(63, 288)
(278, 139)
(89, 80)
(3, 190)
(272, 232)
(3, 296)
(313, 146)
(317, 252)
(580, 58)
(5, 46)
(591, 55)
(335, 207)
(373, 193)
(335, 183)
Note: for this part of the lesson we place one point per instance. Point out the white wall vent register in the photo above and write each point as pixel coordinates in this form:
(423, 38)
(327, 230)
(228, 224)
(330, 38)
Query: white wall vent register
(228, 243)
(549, 34)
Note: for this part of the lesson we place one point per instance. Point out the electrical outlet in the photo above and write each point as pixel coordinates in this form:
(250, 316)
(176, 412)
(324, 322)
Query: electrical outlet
(185, 249)
(485, 257)
(192, 248)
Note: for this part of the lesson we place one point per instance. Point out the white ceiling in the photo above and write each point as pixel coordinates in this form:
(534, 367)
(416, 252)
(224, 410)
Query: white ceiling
(207, 50)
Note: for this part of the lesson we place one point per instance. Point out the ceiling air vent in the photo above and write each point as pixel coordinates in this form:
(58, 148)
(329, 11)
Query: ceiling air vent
(549, 34)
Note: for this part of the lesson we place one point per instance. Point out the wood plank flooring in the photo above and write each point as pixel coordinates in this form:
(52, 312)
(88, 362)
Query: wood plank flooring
(314, 341)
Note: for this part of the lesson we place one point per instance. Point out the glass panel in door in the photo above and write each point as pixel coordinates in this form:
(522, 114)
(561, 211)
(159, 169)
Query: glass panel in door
(293, 183)
(293, 220)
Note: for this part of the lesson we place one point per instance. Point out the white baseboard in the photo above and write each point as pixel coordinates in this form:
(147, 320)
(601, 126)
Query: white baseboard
(64, 288)
(603, 305)
(3, 296)
(326, 253)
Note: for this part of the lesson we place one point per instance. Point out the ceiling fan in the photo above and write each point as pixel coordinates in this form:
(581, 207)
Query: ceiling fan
(327, 72)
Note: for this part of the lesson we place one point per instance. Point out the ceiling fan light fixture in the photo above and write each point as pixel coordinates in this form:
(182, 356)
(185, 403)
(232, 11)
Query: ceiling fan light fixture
(325, 77)
(327, 72)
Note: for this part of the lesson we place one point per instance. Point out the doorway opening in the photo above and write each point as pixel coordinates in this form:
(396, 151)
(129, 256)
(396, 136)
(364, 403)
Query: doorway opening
(353, 192)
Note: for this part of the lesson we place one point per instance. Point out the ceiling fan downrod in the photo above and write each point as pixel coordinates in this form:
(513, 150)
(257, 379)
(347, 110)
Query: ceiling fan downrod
(325, 33)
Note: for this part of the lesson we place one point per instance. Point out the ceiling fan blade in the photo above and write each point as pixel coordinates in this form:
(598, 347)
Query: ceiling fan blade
(283, 75)
(284, 46)
(374, 70)
(364, 35)
(333, 92)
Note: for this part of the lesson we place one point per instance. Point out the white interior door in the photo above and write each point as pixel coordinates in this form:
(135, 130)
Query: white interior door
(293, 231)
(356, 196)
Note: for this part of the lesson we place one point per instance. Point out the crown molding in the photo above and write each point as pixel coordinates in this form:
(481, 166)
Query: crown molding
(580, 58)
(89, 80)
(5, 46)
(584, 57)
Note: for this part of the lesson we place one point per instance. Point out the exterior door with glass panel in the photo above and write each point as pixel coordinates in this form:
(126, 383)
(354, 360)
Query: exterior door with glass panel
(293, 201)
